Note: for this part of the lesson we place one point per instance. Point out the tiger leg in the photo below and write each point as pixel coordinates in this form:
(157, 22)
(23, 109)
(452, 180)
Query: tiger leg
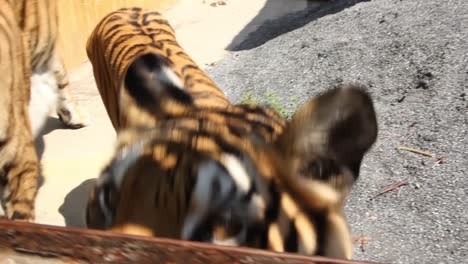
(67, 108)
(7, 81)
(20, 177)
(19, 166)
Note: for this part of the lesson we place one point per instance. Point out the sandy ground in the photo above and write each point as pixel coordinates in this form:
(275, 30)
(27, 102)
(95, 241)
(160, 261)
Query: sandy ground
(71, 159)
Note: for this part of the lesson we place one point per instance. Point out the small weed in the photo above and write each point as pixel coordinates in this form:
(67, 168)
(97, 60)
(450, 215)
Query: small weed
(248, 98)
(271, 99)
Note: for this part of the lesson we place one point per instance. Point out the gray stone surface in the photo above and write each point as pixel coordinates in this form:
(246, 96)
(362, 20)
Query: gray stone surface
(413, 57)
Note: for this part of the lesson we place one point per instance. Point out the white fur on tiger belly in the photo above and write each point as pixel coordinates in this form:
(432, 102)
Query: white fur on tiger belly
(43, 98)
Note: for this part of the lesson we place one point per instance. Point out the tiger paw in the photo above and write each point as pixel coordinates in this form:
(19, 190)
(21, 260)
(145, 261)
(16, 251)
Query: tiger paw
(23, 217)
(73, 117)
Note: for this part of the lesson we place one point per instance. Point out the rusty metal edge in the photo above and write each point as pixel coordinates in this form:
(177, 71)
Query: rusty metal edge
(96, 246)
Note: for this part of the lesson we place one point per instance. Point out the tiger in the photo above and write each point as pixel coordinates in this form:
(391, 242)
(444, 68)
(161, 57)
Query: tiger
(188, 164)
(50, 85)
(19, 165)
(34, 80)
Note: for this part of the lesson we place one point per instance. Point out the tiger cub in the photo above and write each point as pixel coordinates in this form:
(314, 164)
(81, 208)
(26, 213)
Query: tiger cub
(34, 80)
(190, 165)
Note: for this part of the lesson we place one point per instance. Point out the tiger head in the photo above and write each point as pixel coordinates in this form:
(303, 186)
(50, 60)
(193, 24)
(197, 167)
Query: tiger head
(239, 175)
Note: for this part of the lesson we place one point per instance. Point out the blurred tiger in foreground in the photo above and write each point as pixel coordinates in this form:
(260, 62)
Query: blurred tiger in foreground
(190, 165)
(33, 81)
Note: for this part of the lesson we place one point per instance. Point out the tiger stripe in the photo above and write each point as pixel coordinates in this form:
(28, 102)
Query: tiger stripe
(19, 165)
(126, 34)
(35, 80)
(38, 23)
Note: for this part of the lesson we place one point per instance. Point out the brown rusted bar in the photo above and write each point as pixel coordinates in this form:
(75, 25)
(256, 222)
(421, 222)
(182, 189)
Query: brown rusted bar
(76, 245)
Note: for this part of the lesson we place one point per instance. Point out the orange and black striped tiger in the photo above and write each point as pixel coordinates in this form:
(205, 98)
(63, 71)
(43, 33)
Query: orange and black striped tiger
(50, 89)
(120, 38)
(33, 80)
(19, 164)
(190, 165)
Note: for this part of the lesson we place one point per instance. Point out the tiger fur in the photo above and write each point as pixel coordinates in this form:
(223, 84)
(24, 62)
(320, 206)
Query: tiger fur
(38, 22)
(34, 81)
(120, 38)
(190, 165)
(19, 164)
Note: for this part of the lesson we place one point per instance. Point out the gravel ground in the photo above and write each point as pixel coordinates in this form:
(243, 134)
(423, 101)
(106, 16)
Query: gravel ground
(413, 57)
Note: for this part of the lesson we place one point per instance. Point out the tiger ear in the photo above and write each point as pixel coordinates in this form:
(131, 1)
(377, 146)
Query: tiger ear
(151, 82)
(330, 134)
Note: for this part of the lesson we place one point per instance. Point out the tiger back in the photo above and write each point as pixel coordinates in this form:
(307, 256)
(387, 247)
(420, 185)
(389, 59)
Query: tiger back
(126, 34)
(190, 165)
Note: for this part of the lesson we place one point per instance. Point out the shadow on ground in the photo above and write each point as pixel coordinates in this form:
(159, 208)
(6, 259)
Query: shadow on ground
(52, 123)
(74, 204)
(269, 29)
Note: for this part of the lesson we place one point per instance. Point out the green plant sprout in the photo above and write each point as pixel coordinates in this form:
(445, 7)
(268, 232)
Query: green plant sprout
(271, 99)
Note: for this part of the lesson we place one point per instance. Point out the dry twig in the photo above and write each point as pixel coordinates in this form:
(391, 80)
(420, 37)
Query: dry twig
(417, 151)
(438, 160)
(392, 187)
